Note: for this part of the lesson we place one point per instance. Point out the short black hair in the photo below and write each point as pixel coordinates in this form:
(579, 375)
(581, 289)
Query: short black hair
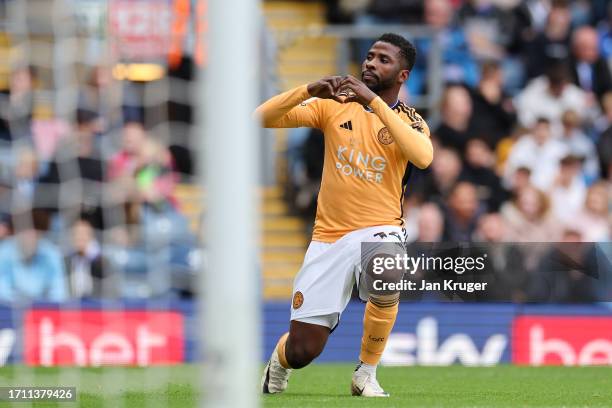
(407, 50)
(558, 72)
(85, 116)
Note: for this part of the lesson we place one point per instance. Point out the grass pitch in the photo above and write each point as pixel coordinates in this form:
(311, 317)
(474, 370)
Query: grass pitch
(328, 385)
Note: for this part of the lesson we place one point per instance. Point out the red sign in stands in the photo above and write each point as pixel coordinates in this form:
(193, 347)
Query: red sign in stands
(95, 337)
(548, 340)
(140, 29)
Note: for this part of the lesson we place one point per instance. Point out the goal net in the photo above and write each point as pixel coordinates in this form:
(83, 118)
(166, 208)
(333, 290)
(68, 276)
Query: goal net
(101, 203)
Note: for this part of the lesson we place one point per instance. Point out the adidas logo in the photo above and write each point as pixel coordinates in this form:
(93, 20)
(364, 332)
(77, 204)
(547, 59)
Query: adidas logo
(347, 125)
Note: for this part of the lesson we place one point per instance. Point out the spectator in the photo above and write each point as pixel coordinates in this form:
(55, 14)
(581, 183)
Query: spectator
(430, 223)
(589, 70)
(529, 219)
(594, 219)
(520, 180)
(102, 95)
(31, 268)
(568, 190)
(549, 96)
(551, 44)
(438, 181)
(25, 175)
(461, 213)
(458, 65)
(604, 144)
(493, 116)
(155, 176)
(124, 163)
(89, 275)
(537, 151)
(479, 170)
(504, 260)
(143, 169)
(529, 18)
(580, 145)
(489, 28)
(566, 273)
(491, 228)
(456, 110)
(16, 107)
(77, 159)
(538, 11)
(161, 223)
(430, 228)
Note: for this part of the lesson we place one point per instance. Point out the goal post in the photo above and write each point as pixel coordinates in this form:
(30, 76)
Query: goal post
(228, 87)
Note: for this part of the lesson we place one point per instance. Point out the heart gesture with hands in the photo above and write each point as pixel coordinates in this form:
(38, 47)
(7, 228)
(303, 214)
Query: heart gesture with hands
(326, 88)
(356, 91)
(342, 90)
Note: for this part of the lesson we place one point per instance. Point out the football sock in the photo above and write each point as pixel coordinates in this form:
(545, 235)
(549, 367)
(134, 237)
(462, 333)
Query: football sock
(280, 349)
(377, 324)
(367, 368)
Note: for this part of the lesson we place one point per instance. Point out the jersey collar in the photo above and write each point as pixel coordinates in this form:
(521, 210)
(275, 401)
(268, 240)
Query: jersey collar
(368, 109)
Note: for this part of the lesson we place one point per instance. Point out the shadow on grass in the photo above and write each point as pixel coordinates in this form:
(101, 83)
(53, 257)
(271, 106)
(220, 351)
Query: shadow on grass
(307, 394)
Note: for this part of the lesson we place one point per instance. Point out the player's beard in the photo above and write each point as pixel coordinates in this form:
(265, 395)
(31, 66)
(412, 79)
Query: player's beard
(380, 84)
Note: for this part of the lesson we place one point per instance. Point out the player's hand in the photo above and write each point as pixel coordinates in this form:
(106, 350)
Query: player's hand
(326, 88)
(357, 91)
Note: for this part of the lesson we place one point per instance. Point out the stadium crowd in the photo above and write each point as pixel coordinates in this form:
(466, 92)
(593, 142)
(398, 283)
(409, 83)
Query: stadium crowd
(523, 153)
(523, 147)
(87, 203)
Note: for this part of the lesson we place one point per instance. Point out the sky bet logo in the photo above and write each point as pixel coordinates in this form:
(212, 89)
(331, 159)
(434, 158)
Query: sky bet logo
(103, 337)
(424, 347)
(352, 162)
(562, 340)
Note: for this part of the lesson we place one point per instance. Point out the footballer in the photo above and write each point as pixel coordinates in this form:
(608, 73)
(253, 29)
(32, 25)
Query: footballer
(371, 141)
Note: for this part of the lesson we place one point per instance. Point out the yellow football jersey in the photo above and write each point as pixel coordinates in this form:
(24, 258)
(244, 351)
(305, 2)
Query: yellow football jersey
(364, 170)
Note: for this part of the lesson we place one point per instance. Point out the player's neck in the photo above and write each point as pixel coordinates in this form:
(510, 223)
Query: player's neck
(389, 96)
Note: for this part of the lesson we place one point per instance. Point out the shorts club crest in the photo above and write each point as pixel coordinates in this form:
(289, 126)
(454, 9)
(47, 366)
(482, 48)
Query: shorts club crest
(331, 270)
(298, 300)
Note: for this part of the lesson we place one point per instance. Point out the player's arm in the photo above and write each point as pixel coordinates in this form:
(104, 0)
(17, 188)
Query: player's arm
(286, 110)
(414, 143)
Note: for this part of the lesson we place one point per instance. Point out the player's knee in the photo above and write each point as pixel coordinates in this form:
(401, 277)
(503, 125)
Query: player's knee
(382, 283)
(299, 354)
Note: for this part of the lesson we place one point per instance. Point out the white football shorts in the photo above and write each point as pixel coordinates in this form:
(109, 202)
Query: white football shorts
(323, 286)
